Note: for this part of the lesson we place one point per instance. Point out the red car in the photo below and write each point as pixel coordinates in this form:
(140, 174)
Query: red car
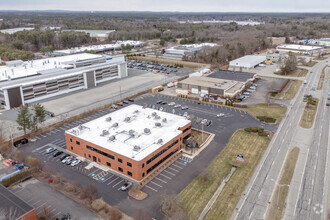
(120, 104)
(8, 162)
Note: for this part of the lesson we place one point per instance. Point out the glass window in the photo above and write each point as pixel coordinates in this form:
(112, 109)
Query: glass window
(120, 169)
(120, 160)
(77, 142)
(108, 164)
(129, 164)
(129, 173)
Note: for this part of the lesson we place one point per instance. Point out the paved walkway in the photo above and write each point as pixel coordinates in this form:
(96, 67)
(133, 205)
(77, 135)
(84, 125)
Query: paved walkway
(216, 194)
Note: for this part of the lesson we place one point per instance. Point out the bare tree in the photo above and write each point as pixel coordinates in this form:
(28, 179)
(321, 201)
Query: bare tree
(141, 214)
(9, 214)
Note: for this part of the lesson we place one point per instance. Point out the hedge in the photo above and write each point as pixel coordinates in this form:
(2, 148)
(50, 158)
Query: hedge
(17, 177)
(266, 119)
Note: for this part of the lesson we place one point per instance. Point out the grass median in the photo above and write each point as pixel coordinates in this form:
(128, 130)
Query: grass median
(274, 111)
(300, 72)
(196, 195)
(307, 119)
(291, 92)
(278, 202)
(321, 80)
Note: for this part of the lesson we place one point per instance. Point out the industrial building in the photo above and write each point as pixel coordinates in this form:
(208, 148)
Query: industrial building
(247, 62)
(99, 48)
(100, 34)
(188, 49)
(303, 49)
(324, 42)
(223, 83)
(14, 30)
(31, 81)
(12, 207)
(132, 141)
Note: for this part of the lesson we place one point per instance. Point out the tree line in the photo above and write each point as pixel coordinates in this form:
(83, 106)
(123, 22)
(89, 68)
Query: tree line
(30, 121)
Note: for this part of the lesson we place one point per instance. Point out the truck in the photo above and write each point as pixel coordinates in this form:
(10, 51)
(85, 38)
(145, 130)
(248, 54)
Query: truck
(173, 83)
(157, 89)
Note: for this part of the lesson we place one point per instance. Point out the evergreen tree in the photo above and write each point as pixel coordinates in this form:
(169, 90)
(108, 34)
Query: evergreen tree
(23, 119)
(39, 116)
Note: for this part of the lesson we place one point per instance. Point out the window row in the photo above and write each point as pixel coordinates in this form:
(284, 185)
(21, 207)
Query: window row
(162, 151)
(162, 160)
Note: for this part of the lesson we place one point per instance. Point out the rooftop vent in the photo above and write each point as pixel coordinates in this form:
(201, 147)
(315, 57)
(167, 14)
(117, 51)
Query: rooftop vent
(146, 131)
(112, 138)
(164, 120)
(136, 111)
(153, 114)
(157, 117)
(160, 141)
(115, 125)
(104, 132)
(136, 148)
(157, 124)
(108, 119)
(127, 119)
(131, 132)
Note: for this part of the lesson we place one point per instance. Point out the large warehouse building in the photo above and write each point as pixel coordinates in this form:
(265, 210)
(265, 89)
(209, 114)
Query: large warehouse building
(223, 83)
(188, 49)
(247, 62)
(31, 81)
(304, 49)
(132, 141)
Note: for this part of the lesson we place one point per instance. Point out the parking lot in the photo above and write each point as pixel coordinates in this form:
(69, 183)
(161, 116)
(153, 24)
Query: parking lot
(39, 195)
(152, 67)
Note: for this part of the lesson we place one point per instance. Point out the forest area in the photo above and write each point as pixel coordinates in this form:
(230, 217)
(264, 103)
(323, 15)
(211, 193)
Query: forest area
(234, 40)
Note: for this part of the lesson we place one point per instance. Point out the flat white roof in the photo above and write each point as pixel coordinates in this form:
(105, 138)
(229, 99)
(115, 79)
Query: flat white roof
(98, 48)
(130, 133)
(248, 61)
(298, 47)
(93, 32)
(29, 68)
(14, 30)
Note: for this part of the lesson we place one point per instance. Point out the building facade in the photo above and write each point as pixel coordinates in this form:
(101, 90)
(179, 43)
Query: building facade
(31, 81)
(133, 153)
(303, 49)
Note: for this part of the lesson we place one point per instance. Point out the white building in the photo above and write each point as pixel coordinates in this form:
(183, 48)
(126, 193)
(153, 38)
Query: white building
(304, 49)
(95, 33)
(247, 62)
(31, 81)
(98, 48)
(189, 48)
(14, 30)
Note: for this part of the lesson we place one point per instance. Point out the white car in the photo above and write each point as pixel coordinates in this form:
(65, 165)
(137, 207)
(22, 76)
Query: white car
(75, 163)
(171, 103)
(185, 114)
(161, 109)
(204, 121)
(126, 186)
(50, 150)
(220, 115)
(177, 106)
(67, 159)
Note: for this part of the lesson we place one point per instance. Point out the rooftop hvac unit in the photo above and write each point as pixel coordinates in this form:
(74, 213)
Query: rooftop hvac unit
(108, 119)
(146, 131)
(131, 132)
(157, 124)
(112, 138)
(136, 148)
(157, 117)
(115, 125)
(127, 119)
(136, 111)
(153, 114)
(104, 132)
(164, 120)
(160, 141)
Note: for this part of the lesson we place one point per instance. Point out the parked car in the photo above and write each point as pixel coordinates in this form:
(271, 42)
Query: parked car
(208, 122)
(328, 104)
(177, 106)
(163, 103)
(220, 115)
(125, 102)
(50, 150)
(126, 186)
(70, 160)
(75, 162)
(114, 106)
(159, 101)
(66, 159)
(185, 114)
(171, 103)
(131, 100)
(184, 107)
(9, 162)
(21, 141)
(64, 156)
(58, 153)
(119, 104)
(204, 121)
(161, 109)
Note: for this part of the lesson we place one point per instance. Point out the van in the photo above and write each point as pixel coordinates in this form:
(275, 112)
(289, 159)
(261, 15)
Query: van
(305, 81)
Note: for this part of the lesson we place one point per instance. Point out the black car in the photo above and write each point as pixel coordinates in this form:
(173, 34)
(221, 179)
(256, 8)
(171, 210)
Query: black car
(58, 153)
(163, 103)
(64, 156)
(131, 100)
(159, 102)
(208, 122)
(21, 141)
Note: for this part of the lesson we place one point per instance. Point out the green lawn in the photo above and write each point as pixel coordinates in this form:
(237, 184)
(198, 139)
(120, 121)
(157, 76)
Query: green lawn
(196, 195)
(307, 119)
(271, 110)
(291, 92)
(300, 72)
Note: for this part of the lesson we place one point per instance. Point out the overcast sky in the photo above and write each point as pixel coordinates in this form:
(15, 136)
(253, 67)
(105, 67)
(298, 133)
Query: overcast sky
(171, 5)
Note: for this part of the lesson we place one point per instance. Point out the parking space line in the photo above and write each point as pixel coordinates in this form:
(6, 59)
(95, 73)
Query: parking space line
(180, 162)
(151, 188)
(41, 206)
(173, 169)
(112, 181)
(108, 178)
(19, 190)
(118, 183)
(36, 203)
(177, 166)
(42, 135)
(165, 176)
(155, 183)
(160, 179)
(57, 214)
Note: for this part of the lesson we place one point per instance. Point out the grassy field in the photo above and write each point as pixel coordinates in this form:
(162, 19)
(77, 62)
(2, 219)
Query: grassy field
(311, 64)
(321, 80)
(308, 116)
(297, 73)
(278, 202)
(273, 111)
(291, 92)
(196, 195)
(321, 58)
(185, 64)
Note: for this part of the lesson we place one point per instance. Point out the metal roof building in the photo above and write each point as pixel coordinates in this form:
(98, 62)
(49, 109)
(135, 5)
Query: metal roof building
(296, 48)
(14, 30)
(189, 48)
(247, 62)
(31, 81)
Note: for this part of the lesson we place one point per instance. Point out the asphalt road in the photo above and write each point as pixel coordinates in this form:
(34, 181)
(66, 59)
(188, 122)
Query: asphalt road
(172, 180)
(257, 195)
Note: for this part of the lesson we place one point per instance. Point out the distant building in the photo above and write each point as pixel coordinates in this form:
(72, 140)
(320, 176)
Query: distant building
(132, 141)
(14, 30)
(100, 34)
(243, 23)
(99, 48)
(303, 49)
(31, 81)
(13, 207)
(276, 56)
(186, 49)
(222, 83)
(247, 62)
(324, 42)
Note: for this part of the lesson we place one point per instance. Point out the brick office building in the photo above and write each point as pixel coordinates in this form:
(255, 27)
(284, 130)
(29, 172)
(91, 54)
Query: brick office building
(132, 141)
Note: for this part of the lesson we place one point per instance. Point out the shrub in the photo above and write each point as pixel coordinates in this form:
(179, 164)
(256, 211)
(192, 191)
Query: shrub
(114, 213)
(266, 119)
(98, 204)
